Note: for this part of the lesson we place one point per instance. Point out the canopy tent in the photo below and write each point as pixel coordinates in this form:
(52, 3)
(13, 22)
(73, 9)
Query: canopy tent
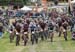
(73, 1)
(25, 8)
(58, 6)
(60, 9)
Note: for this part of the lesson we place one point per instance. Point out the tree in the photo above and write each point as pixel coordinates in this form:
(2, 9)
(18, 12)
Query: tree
(3, 2)
(17, 1)
(55, 2)
(6, 2)
(25, 1)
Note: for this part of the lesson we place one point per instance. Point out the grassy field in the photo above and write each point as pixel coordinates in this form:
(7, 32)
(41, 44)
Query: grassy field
(59, 45)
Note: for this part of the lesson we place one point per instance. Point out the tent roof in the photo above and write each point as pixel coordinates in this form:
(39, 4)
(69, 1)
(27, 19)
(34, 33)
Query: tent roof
(26, 8)
(73, 1)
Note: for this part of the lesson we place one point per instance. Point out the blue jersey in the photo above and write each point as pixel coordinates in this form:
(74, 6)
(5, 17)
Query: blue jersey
(33, 27)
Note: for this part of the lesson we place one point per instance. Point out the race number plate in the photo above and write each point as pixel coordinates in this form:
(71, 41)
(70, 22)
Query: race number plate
(25, 32)
(10, 31)
(41, 30)
(33, 32)
(17, 33)
(64, 30)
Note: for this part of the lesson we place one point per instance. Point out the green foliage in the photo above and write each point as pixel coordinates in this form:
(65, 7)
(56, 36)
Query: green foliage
(3, 2)
(6, 2)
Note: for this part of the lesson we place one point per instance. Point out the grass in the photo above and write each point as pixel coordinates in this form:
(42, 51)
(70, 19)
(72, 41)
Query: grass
(59, 45)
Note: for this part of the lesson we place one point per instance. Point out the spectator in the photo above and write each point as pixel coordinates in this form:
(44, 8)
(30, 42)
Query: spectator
(1, 29)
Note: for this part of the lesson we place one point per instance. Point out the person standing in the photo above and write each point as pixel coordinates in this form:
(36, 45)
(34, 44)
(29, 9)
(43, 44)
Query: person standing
(51, 30)
(42, 32)
(1, 30)
(65, 25)
(18, 30)
(25, 33)
(32, 28)
(11, 32)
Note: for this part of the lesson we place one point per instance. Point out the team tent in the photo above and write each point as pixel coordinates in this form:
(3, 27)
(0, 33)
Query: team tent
(73, 1)
(26, 8)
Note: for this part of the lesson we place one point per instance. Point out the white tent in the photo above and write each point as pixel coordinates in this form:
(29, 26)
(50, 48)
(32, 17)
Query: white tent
(25, 8)
(73, 1)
